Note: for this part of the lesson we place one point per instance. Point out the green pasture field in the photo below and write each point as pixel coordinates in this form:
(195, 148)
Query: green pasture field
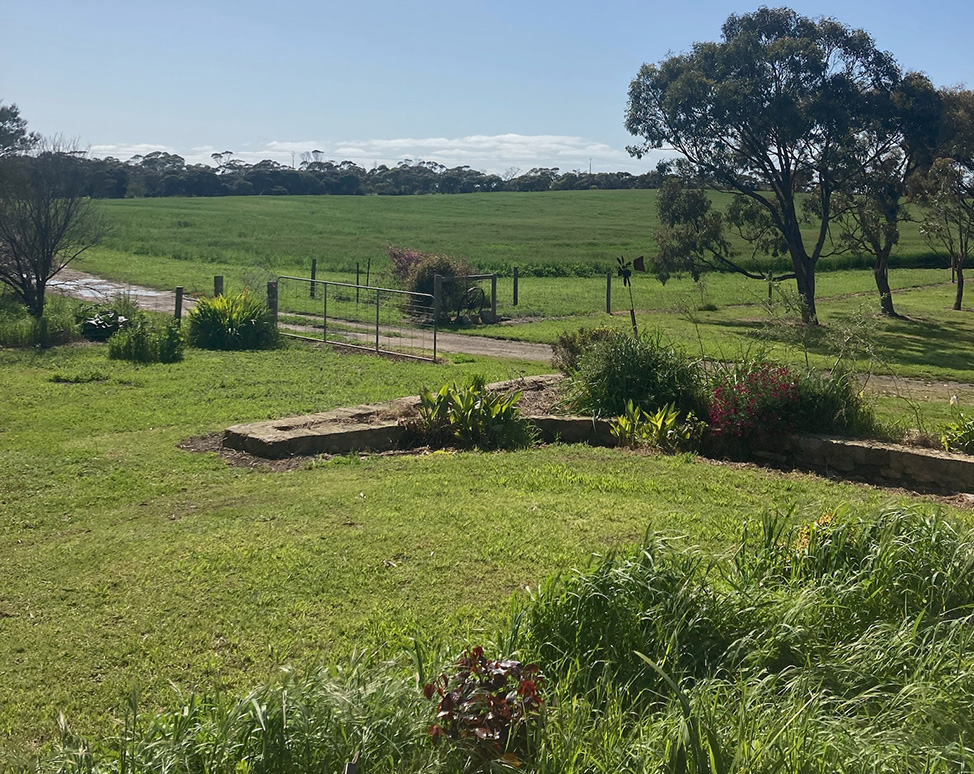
(127, 560)
(566, 232)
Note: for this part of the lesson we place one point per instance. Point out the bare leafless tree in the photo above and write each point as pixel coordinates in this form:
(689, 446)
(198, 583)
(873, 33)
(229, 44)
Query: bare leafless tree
(46, 220)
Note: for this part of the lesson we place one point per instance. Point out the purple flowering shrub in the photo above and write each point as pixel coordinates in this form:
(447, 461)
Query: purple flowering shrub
(402, 260)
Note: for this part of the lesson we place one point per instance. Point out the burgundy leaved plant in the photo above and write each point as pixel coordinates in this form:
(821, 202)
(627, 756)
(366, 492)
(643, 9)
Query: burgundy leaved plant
(487, 707)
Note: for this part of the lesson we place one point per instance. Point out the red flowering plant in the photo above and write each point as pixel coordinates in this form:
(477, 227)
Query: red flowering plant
(759, 397)
(488, 708)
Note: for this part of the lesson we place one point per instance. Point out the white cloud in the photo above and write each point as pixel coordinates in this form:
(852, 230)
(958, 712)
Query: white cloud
(489, 153)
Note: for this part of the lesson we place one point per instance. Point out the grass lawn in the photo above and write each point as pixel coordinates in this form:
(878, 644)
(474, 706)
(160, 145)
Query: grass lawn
(126, 560)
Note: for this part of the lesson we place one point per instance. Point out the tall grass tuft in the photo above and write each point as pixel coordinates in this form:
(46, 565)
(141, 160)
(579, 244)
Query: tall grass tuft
(144, 341)
(312, 723)
(57, 326)
(836, 645)
(614, 368)
(233, 321)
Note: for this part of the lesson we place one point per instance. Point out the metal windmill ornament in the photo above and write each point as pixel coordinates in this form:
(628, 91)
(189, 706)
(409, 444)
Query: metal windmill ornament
(625, 272)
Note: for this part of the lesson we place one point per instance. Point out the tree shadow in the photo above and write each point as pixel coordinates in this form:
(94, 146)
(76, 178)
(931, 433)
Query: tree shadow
(915, 343)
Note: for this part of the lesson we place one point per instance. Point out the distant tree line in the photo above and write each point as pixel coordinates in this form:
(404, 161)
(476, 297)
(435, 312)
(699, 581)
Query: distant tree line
(167, 174)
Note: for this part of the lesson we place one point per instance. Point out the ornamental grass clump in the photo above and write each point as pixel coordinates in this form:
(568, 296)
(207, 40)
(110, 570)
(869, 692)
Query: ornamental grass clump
(232, 321)
(144, 341)
(617, 368)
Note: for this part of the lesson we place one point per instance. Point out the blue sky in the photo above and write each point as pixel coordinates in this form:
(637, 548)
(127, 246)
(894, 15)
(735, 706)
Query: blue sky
(492, 85)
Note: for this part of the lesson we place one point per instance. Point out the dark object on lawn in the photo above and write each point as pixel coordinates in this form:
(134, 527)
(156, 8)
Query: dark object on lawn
(472, 301)
(101, 325)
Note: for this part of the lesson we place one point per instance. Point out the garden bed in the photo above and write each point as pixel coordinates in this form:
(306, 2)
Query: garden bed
(384, 427)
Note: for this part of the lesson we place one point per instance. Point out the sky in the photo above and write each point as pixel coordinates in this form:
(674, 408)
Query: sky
(496, 85)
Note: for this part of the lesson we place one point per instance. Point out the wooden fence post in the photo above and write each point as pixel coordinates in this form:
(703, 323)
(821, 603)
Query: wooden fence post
(515, 286)
(493, 296)
(272, 300)
(179, 303)
(314, 275)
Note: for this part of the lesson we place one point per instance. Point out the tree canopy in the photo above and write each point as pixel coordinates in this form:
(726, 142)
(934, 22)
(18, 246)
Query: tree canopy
(46, 220)
(779, 107)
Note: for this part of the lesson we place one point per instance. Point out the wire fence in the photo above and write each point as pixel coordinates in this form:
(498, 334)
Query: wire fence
(394, 322)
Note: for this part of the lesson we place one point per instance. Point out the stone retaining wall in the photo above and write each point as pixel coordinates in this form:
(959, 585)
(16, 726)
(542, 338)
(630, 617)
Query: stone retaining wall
(883, 464)
(379, 428)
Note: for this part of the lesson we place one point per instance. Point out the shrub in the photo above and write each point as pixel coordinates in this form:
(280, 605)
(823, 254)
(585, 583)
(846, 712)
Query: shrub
(473, 416)
(402, 260)
(958, 436)
(759, 396)
(422, 275)
(144, 342)
(488, 708)
(232, 321)
(752, 398)
(619, 368)
(568, 347)
(19, 329)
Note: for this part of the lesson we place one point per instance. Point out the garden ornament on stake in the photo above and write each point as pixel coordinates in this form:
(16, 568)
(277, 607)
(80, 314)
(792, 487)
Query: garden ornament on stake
(625, 271)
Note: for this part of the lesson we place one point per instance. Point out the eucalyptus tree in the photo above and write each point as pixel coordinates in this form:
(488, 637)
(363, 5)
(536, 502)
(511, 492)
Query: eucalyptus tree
(899, 145)
(946, 190)
(772, 113)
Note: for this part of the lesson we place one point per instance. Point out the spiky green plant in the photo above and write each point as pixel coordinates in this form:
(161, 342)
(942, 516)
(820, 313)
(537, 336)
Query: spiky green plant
(232, 321)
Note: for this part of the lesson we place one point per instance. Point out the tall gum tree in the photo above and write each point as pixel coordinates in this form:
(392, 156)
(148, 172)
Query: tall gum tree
(945, 190)
(770, 113)
(900, 144)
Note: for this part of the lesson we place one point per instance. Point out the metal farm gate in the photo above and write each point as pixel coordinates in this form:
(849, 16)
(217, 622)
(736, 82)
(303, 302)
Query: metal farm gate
(393, 322)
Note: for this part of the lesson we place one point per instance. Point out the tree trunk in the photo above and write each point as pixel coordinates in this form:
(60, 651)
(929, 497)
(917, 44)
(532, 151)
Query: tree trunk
(881, 273)
(959, 298)
(806, 290)
(803, 265)
(33, 296)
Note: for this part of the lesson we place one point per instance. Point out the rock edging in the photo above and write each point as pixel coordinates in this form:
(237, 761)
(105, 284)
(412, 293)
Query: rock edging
(380, 427)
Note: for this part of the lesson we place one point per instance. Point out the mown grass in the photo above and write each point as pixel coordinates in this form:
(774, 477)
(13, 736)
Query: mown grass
(127, 560)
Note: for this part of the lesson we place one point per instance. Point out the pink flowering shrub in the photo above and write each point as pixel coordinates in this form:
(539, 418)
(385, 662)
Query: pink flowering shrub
(403, 260)
(759, 397)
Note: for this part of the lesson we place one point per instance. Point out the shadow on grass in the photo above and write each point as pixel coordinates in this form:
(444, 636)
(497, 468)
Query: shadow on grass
(916, 344)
